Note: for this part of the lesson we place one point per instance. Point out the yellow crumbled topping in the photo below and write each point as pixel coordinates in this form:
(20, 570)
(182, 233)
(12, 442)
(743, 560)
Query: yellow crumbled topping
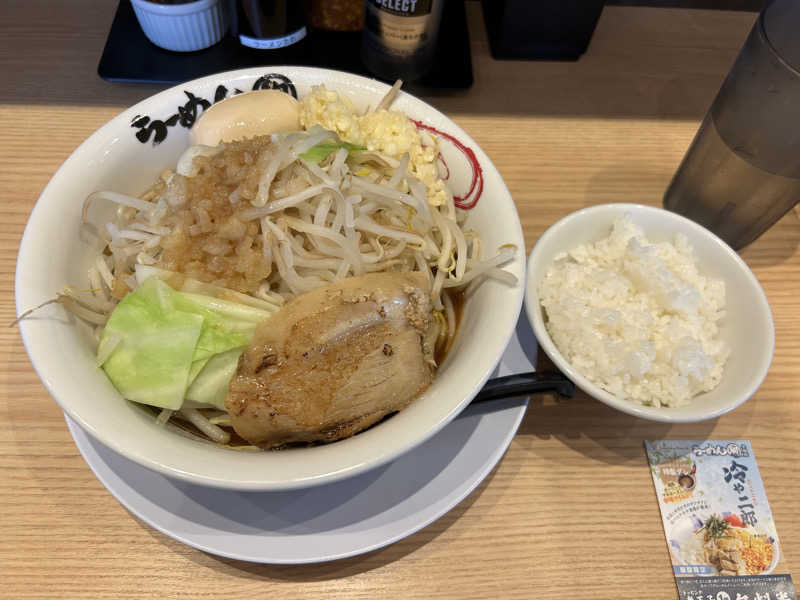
(756, 551)
(386, 131)
(335, 113)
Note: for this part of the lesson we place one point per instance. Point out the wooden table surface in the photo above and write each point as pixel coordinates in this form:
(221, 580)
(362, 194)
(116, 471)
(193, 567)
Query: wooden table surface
(570, 511)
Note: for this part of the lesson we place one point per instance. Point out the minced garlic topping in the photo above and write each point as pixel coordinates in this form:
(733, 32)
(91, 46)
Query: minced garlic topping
(385, 131)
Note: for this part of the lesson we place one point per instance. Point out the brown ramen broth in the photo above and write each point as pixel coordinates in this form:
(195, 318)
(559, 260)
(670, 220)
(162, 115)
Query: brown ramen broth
(458, 298)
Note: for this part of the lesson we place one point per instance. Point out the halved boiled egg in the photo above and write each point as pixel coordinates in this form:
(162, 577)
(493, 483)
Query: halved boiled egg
(260, 112)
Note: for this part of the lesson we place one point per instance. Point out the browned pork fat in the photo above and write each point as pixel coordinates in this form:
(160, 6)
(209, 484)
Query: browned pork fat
(334, 361)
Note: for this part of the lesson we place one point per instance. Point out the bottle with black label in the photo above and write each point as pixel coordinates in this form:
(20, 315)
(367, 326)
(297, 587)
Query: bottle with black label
(269, 24)
(399, 38)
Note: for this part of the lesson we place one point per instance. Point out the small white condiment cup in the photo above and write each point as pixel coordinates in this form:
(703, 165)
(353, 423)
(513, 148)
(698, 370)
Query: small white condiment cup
(182, 27)
(747, 327)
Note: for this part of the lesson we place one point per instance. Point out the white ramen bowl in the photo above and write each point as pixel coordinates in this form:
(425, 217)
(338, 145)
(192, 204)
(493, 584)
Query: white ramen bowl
(54, 252)
(747, 327)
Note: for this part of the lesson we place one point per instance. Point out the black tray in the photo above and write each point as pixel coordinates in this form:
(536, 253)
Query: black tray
(130, 57)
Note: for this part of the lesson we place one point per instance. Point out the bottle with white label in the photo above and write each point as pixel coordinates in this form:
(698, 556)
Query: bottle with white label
(269, 24)
(399, 39)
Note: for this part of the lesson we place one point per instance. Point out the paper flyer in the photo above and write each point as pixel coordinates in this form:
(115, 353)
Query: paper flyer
(720, 532)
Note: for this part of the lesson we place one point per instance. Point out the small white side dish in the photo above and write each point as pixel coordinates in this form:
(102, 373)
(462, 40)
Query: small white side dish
(182, 27)
(747, 327)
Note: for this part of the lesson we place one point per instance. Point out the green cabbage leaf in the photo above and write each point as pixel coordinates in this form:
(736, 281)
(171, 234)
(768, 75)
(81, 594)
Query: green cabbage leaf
(170, 345)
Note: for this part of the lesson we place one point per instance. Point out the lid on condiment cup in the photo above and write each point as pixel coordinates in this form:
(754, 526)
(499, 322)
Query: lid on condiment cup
(781, 23)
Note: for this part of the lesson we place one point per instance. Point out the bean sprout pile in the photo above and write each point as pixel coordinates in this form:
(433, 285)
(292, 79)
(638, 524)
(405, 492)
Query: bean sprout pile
(308, 223)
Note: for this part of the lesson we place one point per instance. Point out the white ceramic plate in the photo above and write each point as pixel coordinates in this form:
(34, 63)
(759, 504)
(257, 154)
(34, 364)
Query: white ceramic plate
(336, 520)
(121, 156)
(325, 523)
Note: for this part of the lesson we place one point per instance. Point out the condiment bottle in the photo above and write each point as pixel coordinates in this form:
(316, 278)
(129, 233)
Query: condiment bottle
(269, 24)
(335, 15)
(400, 36)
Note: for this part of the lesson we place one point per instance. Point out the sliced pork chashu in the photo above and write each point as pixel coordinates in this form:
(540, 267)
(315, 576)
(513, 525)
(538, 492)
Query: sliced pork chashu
(334, 361)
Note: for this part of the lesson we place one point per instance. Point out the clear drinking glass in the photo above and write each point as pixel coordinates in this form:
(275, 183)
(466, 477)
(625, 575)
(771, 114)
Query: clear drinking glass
(742, 171)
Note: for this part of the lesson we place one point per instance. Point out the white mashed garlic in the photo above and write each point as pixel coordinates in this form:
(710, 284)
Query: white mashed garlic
(386, 131)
